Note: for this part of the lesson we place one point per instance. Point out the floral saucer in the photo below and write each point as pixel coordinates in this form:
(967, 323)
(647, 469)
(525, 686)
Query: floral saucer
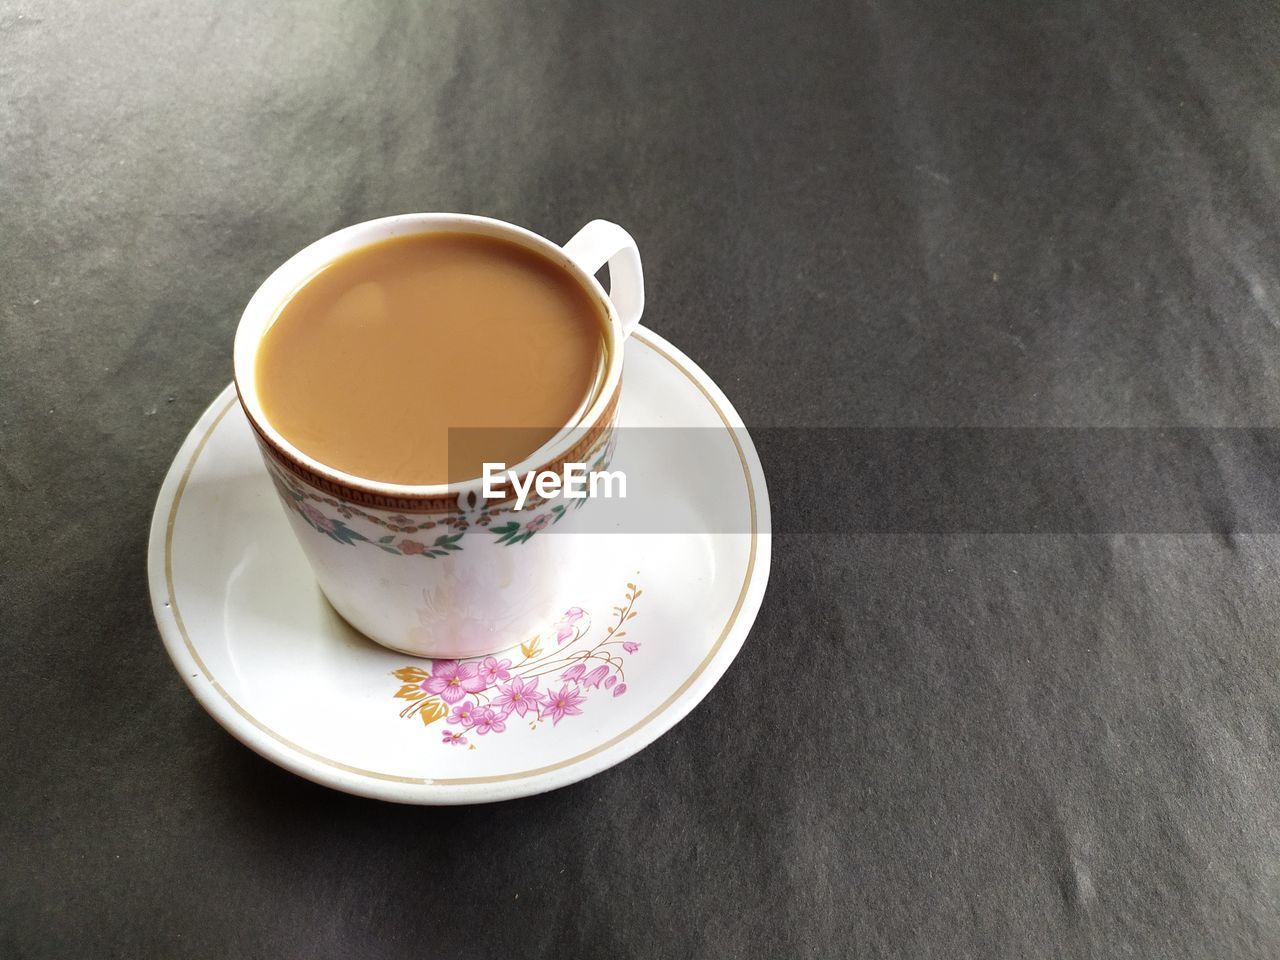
(647, 627)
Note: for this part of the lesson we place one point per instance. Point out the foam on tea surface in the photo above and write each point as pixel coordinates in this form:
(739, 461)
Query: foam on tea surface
(372, 361)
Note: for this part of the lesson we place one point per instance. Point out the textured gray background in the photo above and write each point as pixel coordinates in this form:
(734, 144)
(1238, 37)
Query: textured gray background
(852, 214)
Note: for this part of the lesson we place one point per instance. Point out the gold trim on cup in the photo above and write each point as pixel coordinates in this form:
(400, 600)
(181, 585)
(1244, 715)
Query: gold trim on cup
(444, 503)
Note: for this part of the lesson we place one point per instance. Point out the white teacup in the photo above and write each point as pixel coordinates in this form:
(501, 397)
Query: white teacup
(438, 571)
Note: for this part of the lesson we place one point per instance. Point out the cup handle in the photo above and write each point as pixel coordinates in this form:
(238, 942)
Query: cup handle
(601, 242)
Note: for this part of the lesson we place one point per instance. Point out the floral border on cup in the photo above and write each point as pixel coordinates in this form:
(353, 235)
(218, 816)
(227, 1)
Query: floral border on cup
(295, 496)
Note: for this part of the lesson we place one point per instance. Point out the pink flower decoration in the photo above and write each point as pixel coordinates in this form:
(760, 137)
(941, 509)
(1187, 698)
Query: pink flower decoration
(594, 678)
(620, 689)
(565, 632)
(574, 672)
(610, 682)
(316, 517)
(519, 695)
(454, 738)
(412, 548)
(464, 713)
(574, 614)
(631, 646)
(487, 721)
(557, 706)
(538, 522)
(451, 680)
(493, 670)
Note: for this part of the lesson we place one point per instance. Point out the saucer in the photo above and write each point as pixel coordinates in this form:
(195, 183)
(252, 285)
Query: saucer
(648, 626)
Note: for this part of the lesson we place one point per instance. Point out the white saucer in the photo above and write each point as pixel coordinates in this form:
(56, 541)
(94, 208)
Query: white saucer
(661, 615)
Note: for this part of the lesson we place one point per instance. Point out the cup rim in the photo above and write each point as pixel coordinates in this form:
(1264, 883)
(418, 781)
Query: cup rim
(287, 278)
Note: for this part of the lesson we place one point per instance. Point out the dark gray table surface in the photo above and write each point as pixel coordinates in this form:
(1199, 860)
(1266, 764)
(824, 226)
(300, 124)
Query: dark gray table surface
(934, 214)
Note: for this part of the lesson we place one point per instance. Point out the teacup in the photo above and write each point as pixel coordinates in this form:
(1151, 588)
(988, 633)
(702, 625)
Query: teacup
(441, 570)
